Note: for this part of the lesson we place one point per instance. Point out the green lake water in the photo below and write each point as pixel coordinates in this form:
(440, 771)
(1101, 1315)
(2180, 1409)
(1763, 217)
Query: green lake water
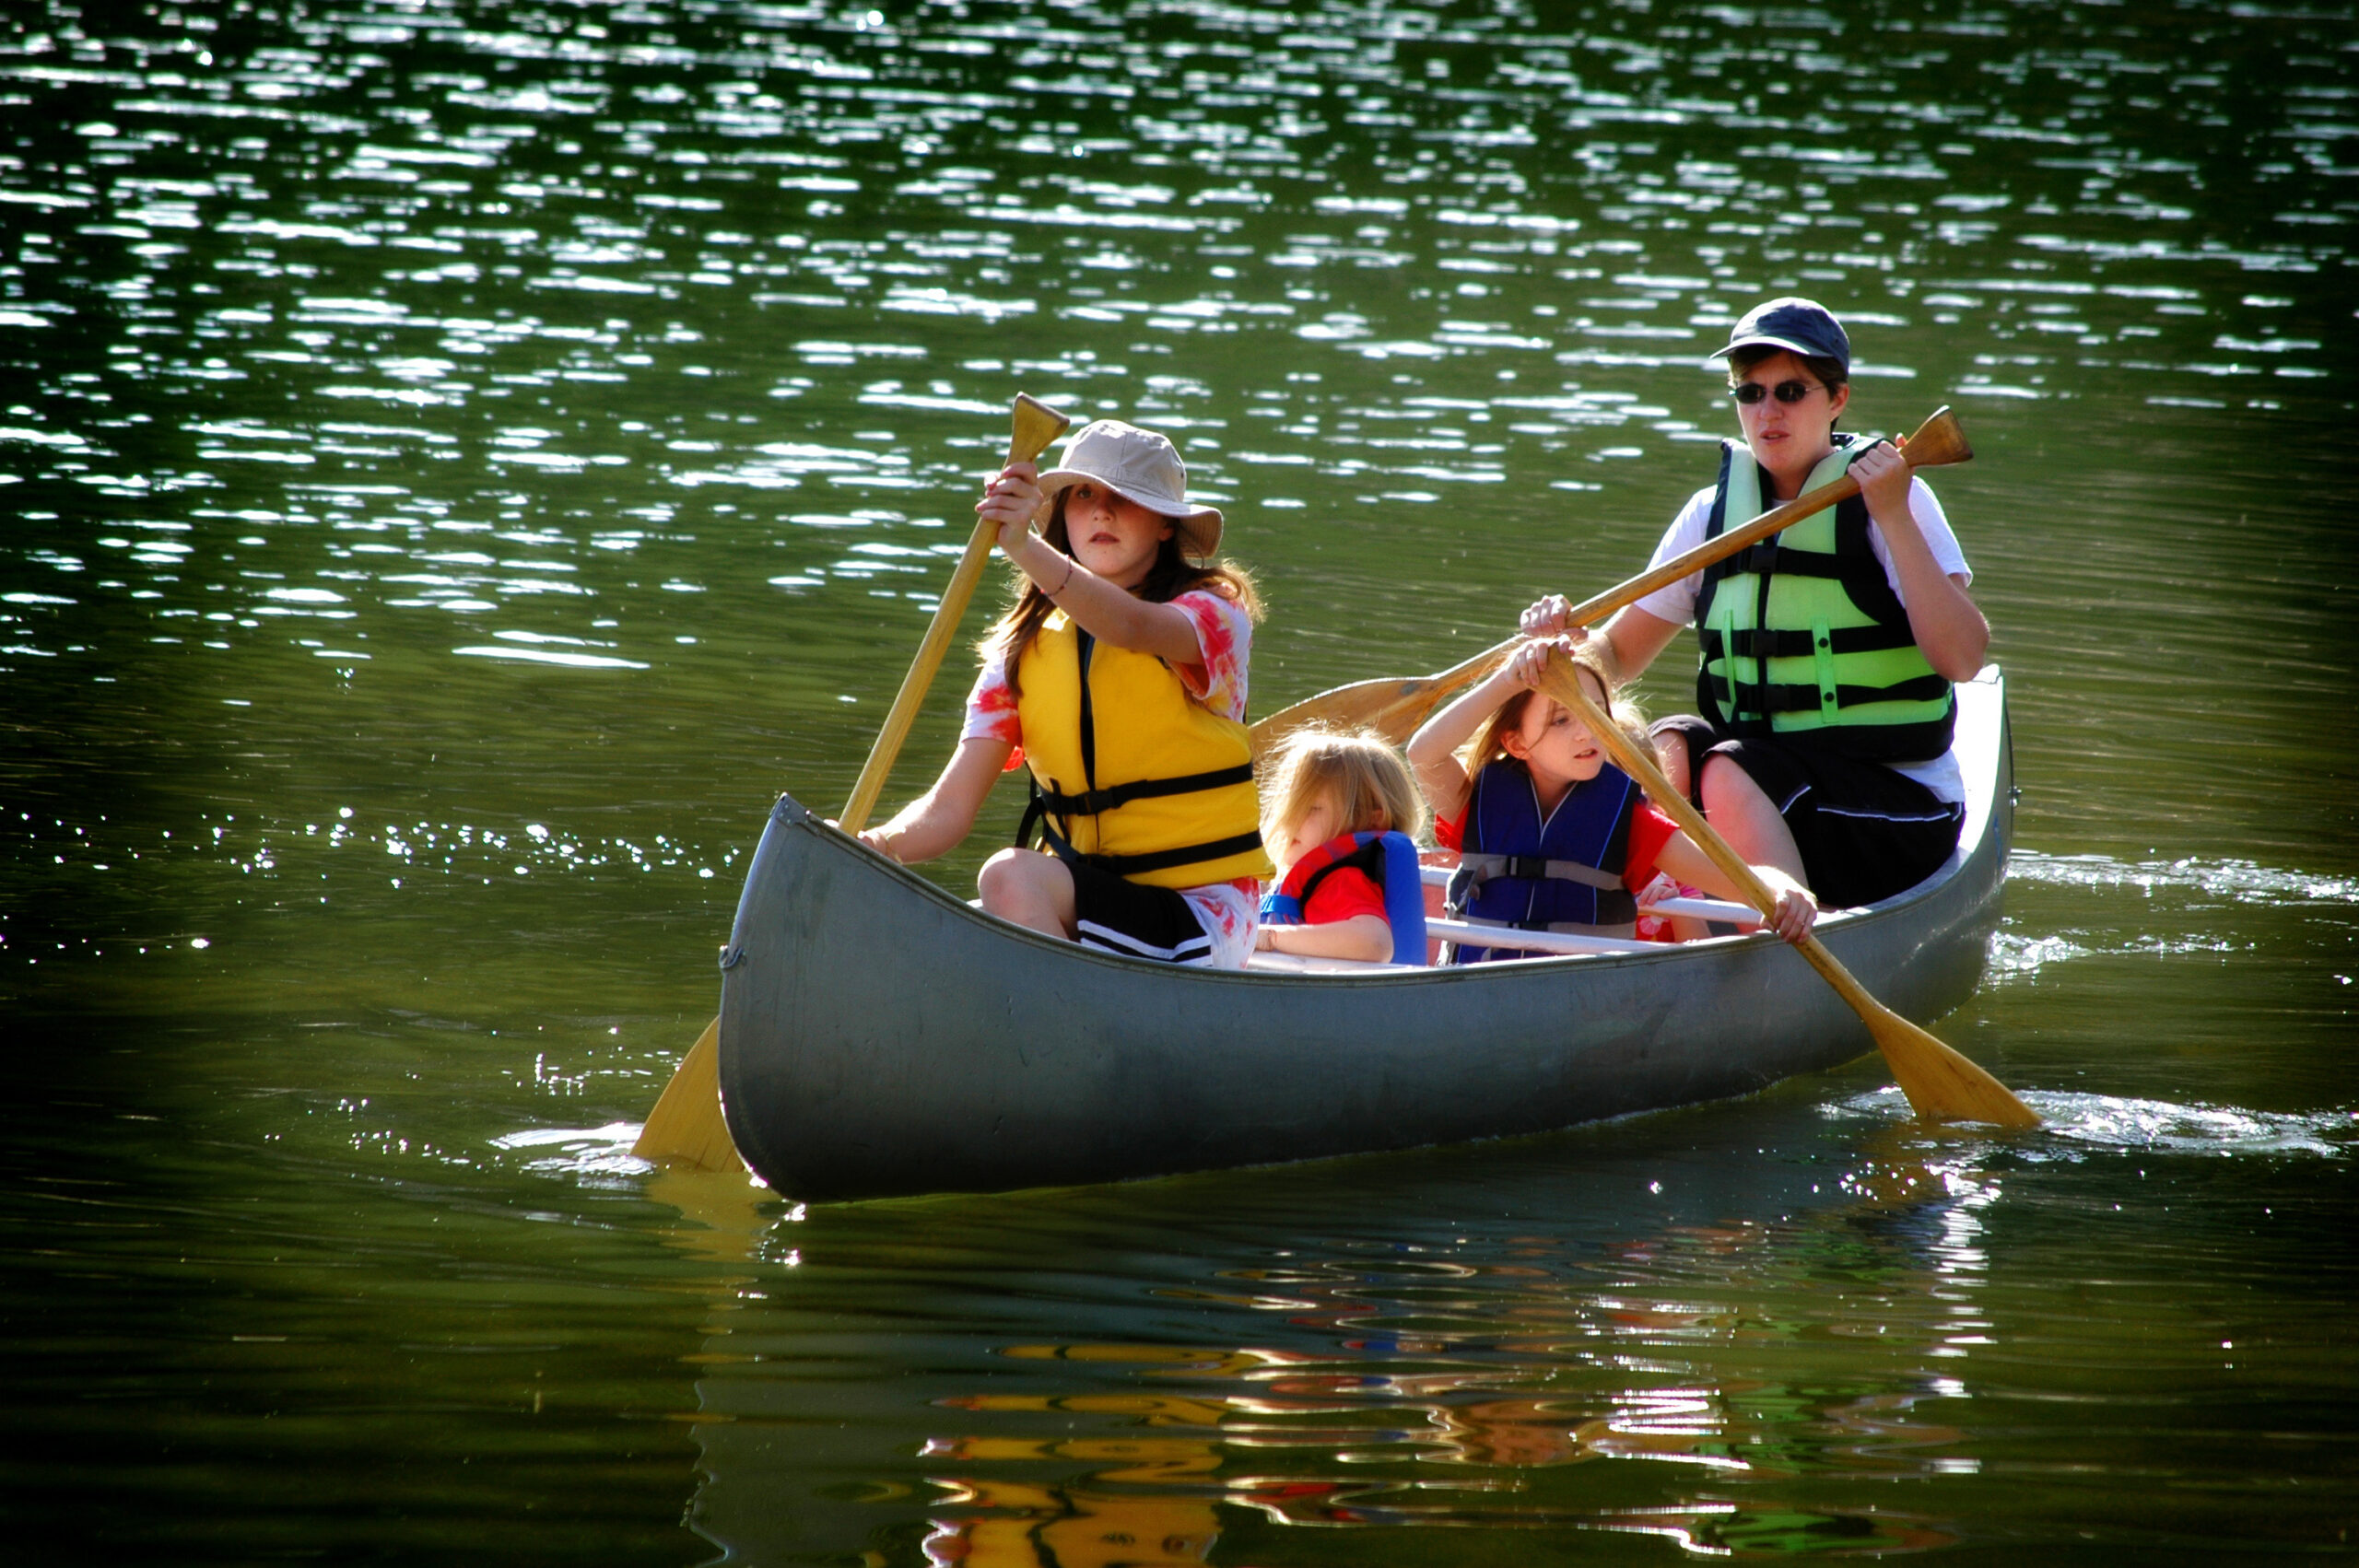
(462, 460)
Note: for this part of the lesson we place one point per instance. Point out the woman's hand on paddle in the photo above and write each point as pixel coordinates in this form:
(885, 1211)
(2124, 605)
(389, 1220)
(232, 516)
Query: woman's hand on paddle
(1009, 501)
(1883, 475)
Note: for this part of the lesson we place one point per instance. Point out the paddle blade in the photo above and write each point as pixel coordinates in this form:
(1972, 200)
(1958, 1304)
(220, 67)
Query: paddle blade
(1035, 425)
(1391, 707)
(1941, 1085)
(686, 1126)
(1938, 442)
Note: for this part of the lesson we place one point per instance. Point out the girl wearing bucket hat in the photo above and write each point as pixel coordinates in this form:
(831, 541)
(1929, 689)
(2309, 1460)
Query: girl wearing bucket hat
(1119, 676)
(1827, 652)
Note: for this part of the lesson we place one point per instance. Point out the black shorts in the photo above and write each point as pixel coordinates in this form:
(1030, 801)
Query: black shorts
(1135, 919)
(1865, 832)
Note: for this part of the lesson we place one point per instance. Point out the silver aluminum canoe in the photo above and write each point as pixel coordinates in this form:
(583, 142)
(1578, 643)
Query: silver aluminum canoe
(879, 1036)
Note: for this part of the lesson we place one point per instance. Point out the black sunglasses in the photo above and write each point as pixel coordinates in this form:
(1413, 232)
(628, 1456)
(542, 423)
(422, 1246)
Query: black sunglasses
(1751, 393)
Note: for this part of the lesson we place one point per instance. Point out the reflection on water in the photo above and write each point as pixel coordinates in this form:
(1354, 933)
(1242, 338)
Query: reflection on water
(1725, 1376)
(460, 459)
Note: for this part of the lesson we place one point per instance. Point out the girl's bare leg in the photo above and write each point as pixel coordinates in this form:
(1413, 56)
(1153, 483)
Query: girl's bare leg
(1030, 889)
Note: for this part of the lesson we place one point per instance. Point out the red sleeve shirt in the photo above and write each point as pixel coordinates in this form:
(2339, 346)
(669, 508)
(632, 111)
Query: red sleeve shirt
(1342, 895)
(1649, 831)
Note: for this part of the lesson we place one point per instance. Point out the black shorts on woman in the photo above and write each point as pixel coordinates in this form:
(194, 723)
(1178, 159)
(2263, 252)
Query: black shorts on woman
(1865, 832)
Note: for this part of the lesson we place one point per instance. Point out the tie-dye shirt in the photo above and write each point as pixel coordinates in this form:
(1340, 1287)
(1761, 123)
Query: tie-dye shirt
(1228, 910)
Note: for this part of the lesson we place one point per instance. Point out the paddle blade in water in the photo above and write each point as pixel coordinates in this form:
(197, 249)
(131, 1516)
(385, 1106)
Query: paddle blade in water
(1942, 1084)
(686, 1126)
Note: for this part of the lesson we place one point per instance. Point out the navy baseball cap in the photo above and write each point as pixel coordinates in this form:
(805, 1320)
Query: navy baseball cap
(1800, 326)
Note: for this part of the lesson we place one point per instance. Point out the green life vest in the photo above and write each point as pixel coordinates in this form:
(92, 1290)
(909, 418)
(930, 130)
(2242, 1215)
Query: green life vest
(1803, 632)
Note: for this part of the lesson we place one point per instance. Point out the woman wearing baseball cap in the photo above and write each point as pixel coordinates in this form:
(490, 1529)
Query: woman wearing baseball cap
(1827, 653)
(1119, 676)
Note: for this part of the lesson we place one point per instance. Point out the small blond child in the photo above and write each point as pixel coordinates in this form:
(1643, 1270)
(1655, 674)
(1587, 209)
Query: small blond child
(1340, 817)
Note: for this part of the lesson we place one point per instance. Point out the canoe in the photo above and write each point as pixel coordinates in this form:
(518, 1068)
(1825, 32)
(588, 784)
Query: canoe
(881, 1036)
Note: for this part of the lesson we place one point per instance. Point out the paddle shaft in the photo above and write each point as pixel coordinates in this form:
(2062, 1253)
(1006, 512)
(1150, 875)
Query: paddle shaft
(1939, 1083)
(1023, 446)
(1684, 564)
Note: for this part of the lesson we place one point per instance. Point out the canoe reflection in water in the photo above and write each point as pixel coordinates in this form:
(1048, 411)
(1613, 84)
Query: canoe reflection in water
(1447, 1382)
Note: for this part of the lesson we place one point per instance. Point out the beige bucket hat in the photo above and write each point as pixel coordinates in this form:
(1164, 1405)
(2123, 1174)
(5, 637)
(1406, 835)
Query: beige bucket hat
(1139, 464)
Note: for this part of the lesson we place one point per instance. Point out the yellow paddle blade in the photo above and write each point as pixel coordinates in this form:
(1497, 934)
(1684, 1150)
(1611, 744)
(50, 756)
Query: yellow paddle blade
(1941, 1085)
(686, 1126)
(1392, 707)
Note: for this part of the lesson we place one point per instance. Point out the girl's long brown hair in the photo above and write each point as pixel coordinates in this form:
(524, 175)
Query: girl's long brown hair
(1172, 575)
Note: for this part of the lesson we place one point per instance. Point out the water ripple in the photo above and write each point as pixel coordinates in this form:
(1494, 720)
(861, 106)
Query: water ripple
(2243, 881)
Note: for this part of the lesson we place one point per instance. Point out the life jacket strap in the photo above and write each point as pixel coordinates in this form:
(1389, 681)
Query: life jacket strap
(1368, 860)
(1752, 700)
(1766, 642)
(1132, 865)
(1474, 869)
(1089, 802)
(1279, 910)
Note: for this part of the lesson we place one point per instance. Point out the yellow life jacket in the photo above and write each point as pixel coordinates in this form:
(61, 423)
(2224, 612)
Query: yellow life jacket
(1137, 777)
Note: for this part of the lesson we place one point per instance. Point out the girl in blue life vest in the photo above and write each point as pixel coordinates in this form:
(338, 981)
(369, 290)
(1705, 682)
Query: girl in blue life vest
(1341, 816)
(1119, 676)
(1552, 836)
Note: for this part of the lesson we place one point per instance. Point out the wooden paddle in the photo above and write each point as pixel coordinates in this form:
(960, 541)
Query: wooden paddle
(686, 1124)
(1395, 707)
(1940, 1084)
(1035, 425)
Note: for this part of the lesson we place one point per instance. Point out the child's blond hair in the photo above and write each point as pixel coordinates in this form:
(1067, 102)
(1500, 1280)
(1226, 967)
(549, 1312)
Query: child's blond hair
(1489, 745)
(1375, 791)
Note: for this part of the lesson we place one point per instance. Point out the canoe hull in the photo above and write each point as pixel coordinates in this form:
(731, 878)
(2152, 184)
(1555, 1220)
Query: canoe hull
(879, 1036)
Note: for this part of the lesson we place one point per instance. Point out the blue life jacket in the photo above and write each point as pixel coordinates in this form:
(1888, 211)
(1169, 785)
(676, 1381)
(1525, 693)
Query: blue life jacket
(1390, 860)
(1563, 874)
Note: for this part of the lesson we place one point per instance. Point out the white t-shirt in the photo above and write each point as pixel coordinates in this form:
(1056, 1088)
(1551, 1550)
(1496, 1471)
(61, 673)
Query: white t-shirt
(1676, 602)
